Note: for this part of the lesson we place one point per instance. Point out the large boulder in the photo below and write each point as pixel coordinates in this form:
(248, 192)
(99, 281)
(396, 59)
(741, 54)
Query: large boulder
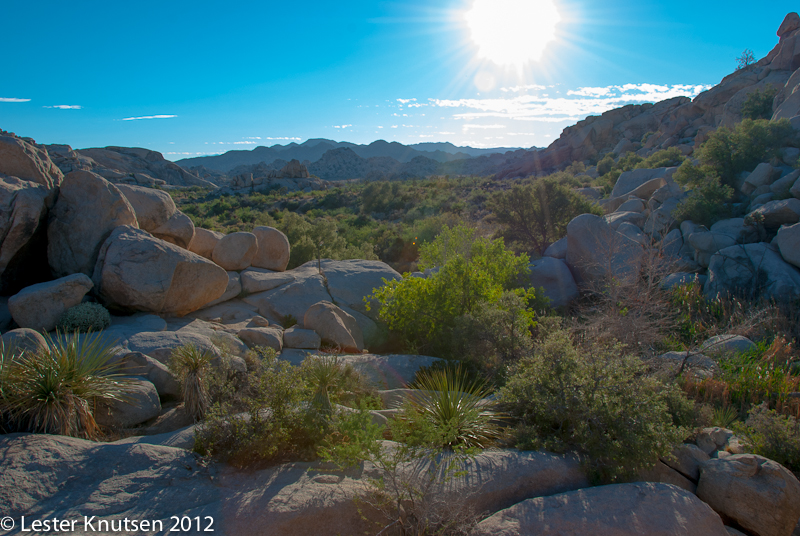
(233, 289)
(759, 494)
(334, 326)
(639, 509)
(160, 344)
(763, 175)
(261, 336)
(273, 249)
(788, 242)
(259, 280)
(596, 252)
(178, 230)
(142, 404)
(777, 213)
(23, 234)
(630, 180)
(157, 373)
(204, 241)
(88, 209)
(23, 340)
(752, 270)
(295, 337)
(706, 243)
(136, 272)
(556, 279)
(153, 207)
(727, 344)
(40, 306)
(235, 251)
(391, 371)
(24, 159)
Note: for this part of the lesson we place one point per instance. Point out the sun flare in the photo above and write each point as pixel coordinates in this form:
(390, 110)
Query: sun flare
(512, 32)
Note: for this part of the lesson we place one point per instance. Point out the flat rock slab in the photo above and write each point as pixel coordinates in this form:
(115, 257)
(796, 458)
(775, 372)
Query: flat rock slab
(641, 509)
(392, 371)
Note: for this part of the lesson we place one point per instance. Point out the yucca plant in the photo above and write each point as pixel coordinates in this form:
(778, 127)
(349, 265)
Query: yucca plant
(191, 365)
(455, 406)
(53, 390)
(323, 374)
(725, 416)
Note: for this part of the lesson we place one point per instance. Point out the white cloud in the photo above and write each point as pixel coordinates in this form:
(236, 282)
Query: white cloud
(252, 137)
(469, 126)
(65, 106)
(417, 105)
(244, 143)
(521, 88)
(578, 105)
(394, 126)
(342, 126)
(405, 101)
(12, 99)
(149, 117)
(284, 138)
(590, 91)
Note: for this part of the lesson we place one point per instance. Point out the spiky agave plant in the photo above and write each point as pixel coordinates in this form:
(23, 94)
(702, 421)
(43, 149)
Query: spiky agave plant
(455, 406)
(191, 364)
(53, 390)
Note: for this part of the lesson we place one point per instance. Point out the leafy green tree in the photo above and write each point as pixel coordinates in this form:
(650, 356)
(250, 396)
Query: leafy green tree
(707, 200)
(536, 215)
(471, 271)
(758, 104)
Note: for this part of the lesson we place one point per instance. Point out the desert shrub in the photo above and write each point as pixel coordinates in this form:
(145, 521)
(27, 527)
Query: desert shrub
(319, 238)
(191, 365)
(496, 334)
(646, 136)
(605, 165)
(333, 382)
(772, 435)
(706, 204)
(536, 215)
(269, 422)
(84, 317)
(758, 104)
(53, 390)
(726, 153)
(472, 271)
(663, 158)
(593, 400)
(416, 488)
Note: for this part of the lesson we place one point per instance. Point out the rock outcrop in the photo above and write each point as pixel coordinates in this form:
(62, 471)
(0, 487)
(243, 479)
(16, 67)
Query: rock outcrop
(137, 272)
(88, 209)
(40, 306)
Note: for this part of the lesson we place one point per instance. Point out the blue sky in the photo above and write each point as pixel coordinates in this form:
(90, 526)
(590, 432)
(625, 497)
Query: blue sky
(189, 78)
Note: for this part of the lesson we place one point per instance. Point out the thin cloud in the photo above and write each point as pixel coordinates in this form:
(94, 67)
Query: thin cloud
(12, 99)
(406, 101)
(517, 89)
(468, 126)
(244, 143)
(64, 106)
(149, 117)
(576, 106)
(342, 126)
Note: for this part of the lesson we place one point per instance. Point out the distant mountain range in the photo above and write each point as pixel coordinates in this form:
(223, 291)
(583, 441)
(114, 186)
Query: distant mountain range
(314, 149)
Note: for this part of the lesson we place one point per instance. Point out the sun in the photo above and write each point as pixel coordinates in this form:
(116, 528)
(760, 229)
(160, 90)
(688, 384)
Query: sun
(512, 32)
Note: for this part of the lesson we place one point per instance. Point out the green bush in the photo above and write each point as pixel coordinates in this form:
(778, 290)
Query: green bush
(758, 104)
(536, 215)
(727, 153)
(54, 390)
(472, 271)
(705, 204)
(664, 158)
(773, 436)
(268, 421)
(594, 401)
(84, 317)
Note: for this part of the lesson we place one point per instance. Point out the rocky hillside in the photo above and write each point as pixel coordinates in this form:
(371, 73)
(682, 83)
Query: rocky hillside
(678, 122)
